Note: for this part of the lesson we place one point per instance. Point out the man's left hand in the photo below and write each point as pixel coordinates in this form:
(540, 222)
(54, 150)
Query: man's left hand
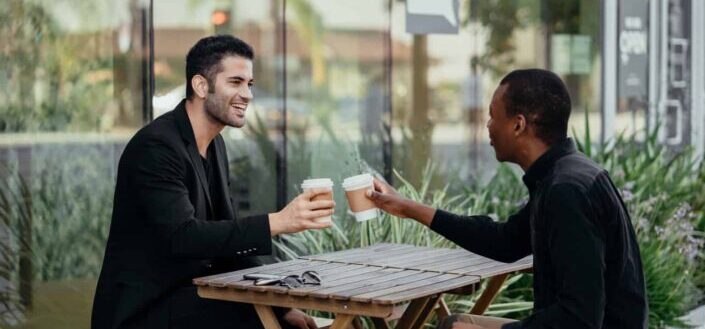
(299, 319)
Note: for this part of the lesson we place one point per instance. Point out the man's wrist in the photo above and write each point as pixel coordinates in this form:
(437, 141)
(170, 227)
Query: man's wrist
(420, 212)
(275, 224)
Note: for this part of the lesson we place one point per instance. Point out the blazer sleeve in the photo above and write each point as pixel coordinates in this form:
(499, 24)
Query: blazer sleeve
(158, 176)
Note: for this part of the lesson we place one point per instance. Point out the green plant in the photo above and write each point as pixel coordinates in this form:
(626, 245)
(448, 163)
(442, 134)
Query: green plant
(15, 245)
(660, 188)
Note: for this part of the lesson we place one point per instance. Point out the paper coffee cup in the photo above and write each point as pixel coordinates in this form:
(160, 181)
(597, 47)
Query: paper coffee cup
(356, 188)
(320, 183)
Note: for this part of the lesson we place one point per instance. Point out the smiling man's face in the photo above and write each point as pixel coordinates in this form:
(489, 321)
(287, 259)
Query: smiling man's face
(232, 91)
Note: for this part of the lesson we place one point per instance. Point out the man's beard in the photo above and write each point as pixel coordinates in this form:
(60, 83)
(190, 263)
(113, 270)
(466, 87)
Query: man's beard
(218, 108)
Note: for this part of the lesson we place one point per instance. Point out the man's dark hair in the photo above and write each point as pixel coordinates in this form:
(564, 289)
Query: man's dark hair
(541, 96)
(205, 56)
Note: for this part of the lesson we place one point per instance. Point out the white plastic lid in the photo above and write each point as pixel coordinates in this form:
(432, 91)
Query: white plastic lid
(317, 183)
(355, 182)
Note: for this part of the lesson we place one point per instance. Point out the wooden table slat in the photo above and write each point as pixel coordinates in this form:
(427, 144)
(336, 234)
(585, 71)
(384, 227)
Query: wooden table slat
(458, 266)
(224, 277)
(405, 277)
(336, 279)
(495, 268)
(343, 254)
(362, 280)
(279, 271)
(239, 282)
(430, 289)
(431, 262)
(423, 279)
(411, 259)
(370, 282)
(375, 258)
(273, 299)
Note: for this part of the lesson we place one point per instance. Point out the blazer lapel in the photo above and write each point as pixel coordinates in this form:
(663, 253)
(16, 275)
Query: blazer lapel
(222, 174)
(187, 135)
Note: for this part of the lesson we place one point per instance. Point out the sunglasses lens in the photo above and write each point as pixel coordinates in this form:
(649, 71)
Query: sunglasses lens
(311, 277)
(291, 281)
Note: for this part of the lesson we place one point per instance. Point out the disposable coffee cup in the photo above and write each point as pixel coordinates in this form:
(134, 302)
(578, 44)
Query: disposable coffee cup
(320, 183)
(356, 188)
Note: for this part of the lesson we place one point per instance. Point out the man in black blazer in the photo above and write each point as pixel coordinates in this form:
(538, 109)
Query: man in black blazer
(173, 218)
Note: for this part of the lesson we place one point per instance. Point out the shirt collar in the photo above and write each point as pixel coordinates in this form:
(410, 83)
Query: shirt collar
(543, 165)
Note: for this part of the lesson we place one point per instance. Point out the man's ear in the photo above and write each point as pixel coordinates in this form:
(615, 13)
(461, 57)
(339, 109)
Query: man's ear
(519, 124)
(200, 85)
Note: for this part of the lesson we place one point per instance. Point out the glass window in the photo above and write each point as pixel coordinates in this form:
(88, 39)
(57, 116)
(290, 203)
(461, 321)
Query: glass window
(337, 97)
(443, 84)
(71, 81)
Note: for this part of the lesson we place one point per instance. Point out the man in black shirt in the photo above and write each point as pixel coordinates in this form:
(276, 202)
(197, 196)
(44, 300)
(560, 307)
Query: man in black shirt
(587, 266)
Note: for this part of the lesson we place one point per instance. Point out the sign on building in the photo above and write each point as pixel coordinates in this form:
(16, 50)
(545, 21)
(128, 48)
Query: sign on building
(432, 16)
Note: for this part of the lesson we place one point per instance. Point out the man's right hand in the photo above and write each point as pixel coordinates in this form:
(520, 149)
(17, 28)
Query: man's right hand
(300, 213)
(388, 199)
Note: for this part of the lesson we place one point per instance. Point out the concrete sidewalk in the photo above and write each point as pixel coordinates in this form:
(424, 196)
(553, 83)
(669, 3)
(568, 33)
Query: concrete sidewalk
(696, 318)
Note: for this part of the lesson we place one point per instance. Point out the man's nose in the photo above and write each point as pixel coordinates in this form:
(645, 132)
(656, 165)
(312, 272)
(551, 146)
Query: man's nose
(247, 93)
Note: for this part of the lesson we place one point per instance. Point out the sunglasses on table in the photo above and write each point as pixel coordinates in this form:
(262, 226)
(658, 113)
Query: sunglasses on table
(289, 281)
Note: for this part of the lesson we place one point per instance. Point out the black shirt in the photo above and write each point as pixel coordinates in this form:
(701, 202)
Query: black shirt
(587, 266)
(210, 179)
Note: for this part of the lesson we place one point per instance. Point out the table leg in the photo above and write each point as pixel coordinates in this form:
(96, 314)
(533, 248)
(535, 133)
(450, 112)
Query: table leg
(380, 323)
(489, 294)
(418, 312)
(442, 310)
(266, 315)
(342, 321)
(427, 311)
(357, 323)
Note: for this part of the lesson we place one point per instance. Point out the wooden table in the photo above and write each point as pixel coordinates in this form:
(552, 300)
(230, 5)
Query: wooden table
(381, 281)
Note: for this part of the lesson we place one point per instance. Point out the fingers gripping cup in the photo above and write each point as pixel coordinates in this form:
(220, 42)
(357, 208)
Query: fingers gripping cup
(356, 188)
(320, 183)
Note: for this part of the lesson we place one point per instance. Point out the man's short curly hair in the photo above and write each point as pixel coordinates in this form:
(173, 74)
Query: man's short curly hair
(542, 97)
(205, 56)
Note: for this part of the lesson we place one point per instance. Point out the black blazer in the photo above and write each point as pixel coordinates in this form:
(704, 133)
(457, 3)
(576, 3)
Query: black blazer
(160, 235)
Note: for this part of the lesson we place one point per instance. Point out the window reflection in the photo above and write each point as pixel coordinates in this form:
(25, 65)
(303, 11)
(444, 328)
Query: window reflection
(71, 80)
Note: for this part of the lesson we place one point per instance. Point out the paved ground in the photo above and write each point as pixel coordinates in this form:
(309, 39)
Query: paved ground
(696, 318)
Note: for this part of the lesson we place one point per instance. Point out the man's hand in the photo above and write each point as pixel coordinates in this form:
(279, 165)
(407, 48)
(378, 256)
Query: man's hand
(299, 319)
(388, 199)
(300, 213)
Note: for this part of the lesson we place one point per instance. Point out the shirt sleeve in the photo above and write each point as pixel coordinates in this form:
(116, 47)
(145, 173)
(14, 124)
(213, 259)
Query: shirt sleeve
(577, 256)
(157, 178)
(505, 242)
